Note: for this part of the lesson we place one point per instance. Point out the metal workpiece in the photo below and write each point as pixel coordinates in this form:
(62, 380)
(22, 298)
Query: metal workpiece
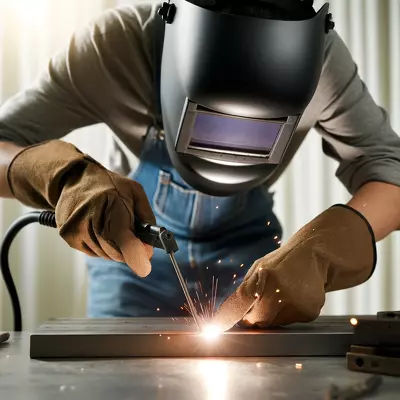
(277, 378)
(178, 337)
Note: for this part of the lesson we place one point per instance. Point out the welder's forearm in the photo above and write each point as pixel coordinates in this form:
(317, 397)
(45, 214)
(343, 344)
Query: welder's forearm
(380, 204)
(8, 151)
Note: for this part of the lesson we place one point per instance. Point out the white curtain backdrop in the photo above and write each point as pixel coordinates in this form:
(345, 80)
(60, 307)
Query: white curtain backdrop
(51, 277)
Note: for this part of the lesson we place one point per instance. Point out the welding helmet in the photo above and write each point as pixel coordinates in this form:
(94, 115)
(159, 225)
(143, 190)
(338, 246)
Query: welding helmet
(233, 89)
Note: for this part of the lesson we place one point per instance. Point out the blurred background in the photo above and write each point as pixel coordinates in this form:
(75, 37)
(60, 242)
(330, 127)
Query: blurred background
(51, 277)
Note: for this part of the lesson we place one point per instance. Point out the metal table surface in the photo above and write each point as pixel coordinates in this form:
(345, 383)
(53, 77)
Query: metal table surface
(161, 379)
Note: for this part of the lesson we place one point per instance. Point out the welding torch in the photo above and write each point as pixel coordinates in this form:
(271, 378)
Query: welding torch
(162, 238)
(152, 235)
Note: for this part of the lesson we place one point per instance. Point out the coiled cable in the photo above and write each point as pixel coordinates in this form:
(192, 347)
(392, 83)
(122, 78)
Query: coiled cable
(45, 218)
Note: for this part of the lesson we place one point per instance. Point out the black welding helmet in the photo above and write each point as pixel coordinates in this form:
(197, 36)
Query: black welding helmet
(233, 89)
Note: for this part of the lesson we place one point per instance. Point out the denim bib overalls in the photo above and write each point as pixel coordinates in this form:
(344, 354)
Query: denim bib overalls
(219, 238)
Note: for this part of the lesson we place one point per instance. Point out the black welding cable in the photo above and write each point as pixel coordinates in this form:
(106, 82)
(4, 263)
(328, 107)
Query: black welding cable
(46, 218)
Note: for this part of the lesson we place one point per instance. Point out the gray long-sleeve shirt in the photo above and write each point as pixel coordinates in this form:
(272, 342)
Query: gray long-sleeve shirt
(105, 75)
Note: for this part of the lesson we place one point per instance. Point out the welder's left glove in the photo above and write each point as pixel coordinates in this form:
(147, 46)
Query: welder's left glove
(334, 251)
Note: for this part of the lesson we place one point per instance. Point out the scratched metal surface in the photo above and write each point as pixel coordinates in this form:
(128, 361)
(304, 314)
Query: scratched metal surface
(173, 379)
(167, 337)
(172, 325)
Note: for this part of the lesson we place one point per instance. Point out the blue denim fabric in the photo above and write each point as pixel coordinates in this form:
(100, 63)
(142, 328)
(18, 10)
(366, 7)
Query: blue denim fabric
(218, 238)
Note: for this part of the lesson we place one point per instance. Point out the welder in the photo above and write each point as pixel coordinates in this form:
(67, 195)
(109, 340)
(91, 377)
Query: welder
(208, 101)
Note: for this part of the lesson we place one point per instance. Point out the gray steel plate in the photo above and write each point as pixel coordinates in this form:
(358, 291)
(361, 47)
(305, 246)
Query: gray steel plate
(166, 337)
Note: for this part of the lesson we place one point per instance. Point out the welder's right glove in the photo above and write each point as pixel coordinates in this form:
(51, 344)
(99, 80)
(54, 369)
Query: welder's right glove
(94, 207)
(334, 251)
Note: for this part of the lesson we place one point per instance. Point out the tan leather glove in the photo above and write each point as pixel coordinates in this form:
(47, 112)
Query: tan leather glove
(334, 251)
(94, 207)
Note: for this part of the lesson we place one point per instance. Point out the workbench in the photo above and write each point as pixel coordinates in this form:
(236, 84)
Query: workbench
(176, 379)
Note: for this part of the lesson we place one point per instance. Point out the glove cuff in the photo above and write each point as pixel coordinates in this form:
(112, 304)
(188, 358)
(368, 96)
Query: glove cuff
(371, 231)
(37, 173)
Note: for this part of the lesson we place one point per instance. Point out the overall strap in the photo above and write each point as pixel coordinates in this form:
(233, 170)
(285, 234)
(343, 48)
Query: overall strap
(158, 44)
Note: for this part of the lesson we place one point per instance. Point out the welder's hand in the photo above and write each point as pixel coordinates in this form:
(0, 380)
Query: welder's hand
(334, 251)
(94, 207)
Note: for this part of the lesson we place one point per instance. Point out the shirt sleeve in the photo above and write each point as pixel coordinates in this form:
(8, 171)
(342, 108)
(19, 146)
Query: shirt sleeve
(81, 84)
(355, 130)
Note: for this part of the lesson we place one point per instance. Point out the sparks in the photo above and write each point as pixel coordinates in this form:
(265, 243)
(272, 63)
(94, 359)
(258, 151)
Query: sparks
(280, 301)
(234, 276)
(275, 237)
(205, 302)
(278, 290)
(158, 309)
(354, 321)
(219, 261)
(241, 265)
(268, 223)
(217, 207)
(279, 242)
(168, 338)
